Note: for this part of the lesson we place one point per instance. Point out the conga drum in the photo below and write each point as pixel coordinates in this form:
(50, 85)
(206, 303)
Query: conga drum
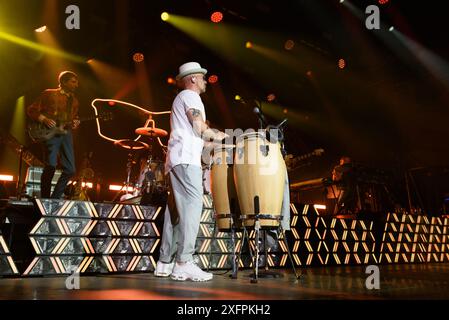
(259, 173)
(223, 188)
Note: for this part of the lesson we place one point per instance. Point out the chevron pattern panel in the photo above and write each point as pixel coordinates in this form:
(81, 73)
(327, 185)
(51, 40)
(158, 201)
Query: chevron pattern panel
(308, 231)
(7, 265)
(438, 244)
(414, 238)
(351, 241)
(60, 237)
(323, 240)
(83, 237)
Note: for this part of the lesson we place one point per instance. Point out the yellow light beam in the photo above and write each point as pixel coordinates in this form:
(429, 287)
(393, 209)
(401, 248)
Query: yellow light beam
(124, 82)
(38, 47)
(53, 64)
(17, 129)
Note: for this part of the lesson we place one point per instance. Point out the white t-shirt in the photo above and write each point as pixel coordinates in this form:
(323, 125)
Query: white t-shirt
(184, 146)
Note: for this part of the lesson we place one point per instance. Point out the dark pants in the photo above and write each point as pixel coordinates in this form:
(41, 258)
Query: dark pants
(62, 145)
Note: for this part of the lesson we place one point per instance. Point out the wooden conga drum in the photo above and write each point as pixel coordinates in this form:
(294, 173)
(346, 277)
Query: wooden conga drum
(259, 173)
(223, 188)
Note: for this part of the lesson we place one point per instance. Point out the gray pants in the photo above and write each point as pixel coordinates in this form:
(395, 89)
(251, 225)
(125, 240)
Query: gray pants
(285, 211)
(182, 214)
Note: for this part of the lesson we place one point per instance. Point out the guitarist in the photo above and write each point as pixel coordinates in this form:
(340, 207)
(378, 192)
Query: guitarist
(56, 107)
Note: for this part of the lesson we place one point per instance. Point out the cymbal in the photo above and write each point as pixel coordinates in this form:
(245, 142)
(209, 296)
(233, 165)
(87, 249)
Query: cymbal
(131, 144)
(151, 132)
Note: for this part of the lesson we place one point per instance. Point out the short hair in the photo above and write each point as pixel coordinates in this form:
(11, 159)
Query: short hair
(65, 76)
(345, 159)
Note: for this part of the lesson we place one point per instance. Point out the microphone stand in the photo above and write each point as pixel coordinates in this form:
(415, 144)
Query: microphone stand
(259, 105)
(19, 184)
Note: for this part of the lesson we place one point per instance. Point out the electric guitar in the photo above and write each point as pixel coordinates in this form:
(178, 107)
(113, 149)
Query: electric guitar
(39, 132)
(293, 162)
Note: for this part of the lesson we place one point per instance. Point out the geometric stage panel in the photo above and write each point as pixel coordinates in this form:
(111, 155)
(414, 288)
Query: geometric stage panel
(85, 237)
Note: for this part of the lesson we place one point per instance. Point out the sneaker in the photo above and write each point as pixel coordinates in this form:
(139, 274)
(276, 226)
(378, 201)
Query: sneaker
(190, 271)
(163, 269)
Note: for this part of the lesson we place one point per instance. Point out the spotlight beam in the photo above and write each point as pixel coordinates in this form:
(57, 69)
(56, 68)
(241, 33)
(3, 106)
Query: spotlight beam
(38, 47)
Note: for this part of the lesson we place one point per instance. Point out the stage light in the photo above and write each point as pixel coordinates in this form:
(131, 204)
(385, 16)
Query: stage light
(165, 16)
(289, 44)
(6, 177)
(285, 111)
(170, 80)
(138, 57)
(41, 29)
(383, 1)
(111, 103)
(271, 97)
(341, 63)
(309, 73)
(115, 187)
(237, 97)
(319, 206)
(216, 17)
(90, 60)
(248, 45)
(341, 1)
(213, 79)
(89, 185)
(391, 28)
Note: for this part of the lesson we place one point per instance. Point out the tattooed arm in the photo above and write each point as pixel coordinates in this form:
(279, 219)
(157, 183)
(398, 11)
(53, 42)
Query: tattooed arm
(201, 128)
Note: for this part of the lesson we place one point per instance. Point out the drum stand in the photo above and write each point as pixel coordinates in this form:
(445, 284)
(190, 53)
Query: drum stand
(255, 256)
(126, 184)
(235, 259)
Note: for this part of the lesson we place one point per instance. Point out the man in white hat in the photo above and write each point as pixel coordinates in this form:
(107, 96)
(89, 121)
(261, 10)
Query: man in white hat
(183, 164)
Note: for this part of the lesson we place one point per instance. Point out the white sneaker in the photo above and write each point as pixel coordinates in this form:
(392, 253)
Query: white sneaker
(163, 269)
(190, 271)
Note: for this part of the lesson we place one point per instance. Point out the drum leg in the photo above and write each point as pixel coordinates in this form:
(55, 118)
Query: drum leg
(210, 245)
(281, 230)
(235, 266)
(239, 253)
(256, 245)
(267, 273)
(245, 236)
(265, 248)
(256, 239)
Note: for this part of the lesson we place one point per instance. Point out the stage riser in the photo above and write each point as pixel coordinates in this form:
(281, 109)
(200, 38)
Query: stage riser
(7, 265)
(85, 237)
(317, 240)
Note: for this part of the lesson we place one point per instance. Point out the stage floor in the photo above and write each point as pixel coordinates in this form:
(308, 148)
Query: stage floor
(405, 281)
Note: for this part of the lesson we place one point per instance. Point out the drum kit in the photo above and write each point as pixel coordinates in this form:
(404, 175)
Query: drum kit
(151, 185)
(247, 190)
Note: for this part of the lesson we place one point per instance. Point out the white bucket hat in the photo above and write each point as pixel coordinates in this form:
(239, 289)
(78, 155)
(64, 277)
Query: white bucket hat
(190, 68)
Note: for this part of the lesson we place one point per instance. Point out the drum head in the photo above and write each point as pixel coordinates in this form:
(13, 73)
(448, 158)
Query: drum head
(251, 136)
(223, 154)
